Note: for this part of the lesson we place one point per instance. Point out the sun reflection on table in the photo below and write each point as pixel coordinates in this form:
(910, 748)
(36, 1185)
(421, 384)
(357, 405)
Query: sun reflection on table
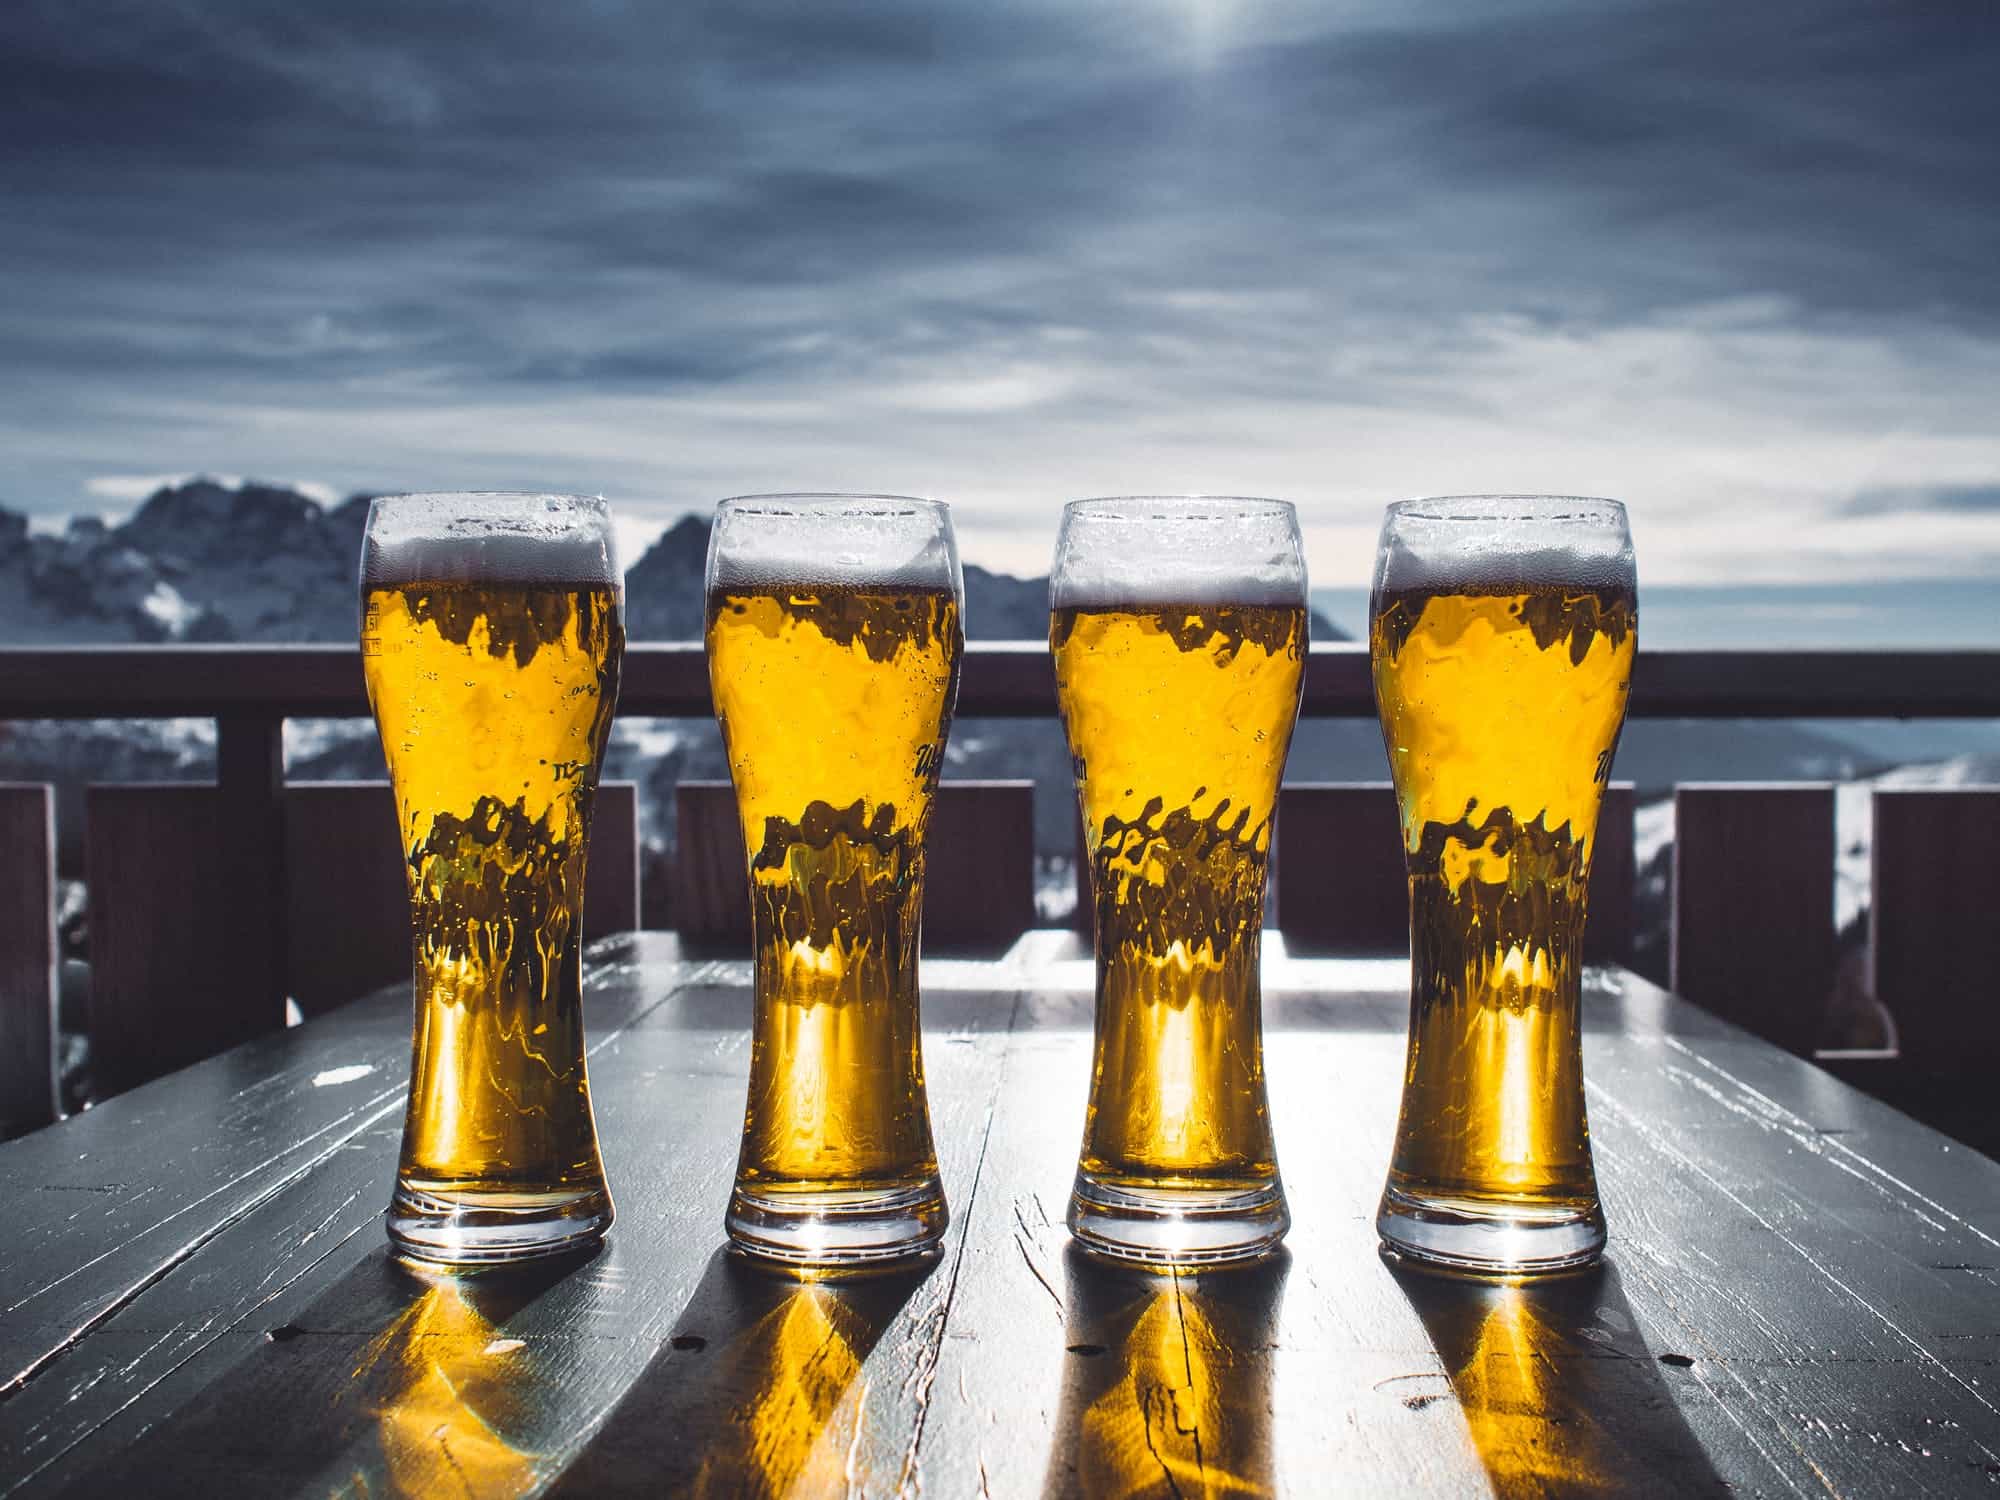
(1168, 1385)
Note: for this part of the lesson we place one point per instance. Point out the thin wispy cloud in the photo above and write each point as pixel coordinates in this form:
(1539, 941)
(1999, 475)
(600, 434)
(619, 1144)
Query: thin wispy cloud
(1732, 263)
(1965, 499)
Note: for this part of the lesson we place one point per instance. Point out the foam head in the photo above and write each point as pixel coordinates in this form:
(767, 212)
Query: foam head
(762, 542)
(1489, 544)
(1177, 549)
(493, 537)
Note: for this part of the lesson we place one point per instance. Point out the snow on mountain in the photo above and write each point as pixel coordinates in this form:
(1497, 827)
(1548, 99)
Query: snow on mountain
(200, 561)
(209, 560)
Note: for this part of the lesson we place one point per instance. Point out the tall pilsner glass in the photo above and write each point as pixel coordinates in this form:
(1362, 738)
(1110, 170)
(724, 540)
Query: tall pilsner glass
(1502, 630)
(491, 637)
(1179, 631)
(833, 652)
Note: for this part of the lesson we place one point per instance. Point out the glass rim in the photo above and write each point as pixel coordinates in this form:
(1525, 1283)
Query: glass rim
(805, 504)
(1178, 507)
(1512, 507)
(403, 495)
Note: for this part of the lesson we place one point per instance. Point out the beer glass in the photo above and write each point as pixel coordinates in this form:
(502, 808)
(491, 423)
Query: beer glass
(833, 653)
(1501, 632)
(1179, 632)
(491, 636)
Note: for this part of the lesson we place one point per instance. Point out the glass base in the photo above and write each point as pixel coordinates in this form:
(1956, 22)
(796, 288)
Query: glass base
(833, 1232)
(1151, 1226)
(470, 1229)
(1463, 1237)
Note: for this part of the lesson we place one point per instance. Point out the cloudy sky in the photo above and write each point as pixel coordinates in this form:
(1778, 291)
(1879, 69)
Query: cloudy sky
(1734, 263)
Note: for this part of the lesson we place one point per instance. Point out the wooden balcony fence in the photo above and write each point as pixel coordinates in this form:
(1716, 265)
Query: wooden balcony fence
(211, 904)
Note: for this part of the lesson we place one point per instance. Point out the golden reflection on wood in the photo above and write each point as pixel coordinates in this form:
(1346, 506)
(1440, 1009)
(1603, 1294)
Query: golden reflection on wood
(1560, 1394)
(1168, 1386)
(763, 1390)
(804, 1418)
(1510, 1393)
(450, 1424)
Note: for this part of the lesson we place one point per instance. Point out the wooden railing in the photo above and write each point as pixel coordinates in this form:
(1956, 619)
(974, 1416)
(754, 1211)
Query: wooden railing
(249, 691)
(1010, 679)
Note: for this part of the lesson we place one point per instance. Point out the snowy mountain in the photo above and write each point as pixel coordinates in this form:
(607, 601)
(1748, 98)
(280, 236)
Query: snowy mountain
(200, 561)
(207, 561)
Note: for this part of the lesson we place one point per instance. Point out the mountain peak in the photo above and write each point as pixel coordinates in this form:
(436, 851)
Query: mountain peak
(266, 562)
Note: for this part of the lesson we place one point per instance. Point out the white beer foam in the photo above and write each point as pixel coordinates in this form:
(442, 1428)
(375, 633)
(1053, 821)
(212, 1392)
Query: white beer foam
(1495, 543)
(468, 536)
(761, 542)
(1198, 550)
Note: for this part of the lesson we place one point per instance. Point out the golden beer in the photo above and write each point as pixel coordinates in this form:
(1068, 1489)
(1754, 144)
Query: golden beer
(494, 700)
(834, 705)
(1179, 718)
(835, 697)
(1501, 706)
(1179, 714)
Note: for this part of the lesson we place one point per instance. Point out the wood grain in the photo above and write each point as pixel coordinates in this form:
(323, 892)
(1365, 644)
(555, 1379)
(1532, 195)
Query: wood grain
(1753, 905)
(1802, 1296)
(28, 1088)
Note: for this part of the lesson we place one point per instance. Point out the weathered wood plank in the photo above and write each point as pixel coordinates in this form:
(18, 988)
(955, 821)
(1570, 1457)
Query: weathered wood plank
(1387, 1383)
(159, 918)
(142, 1178)
(242, 1257)
(386, 1381)
(1935, 945)
(1753, 905)
(1800, 1299)
(28, 1086)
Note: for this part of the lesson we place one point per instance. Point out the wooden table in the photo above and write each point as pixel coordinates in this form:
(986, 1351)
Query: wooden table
(1802, 1295)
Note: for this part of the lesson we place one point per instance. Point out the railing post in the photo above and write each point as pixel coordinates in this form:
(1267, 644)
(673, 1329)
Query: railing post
(250, 780)
(1935, 947)
(1753, 905)
(28, 1004)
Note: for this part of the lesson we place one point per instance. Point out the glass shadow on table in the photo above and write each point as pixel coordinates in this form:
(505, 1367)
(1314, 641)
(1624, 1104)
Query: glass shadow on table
(393, 1381)
(759, 1390)
(1167, 1382)
(1558, 1390)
